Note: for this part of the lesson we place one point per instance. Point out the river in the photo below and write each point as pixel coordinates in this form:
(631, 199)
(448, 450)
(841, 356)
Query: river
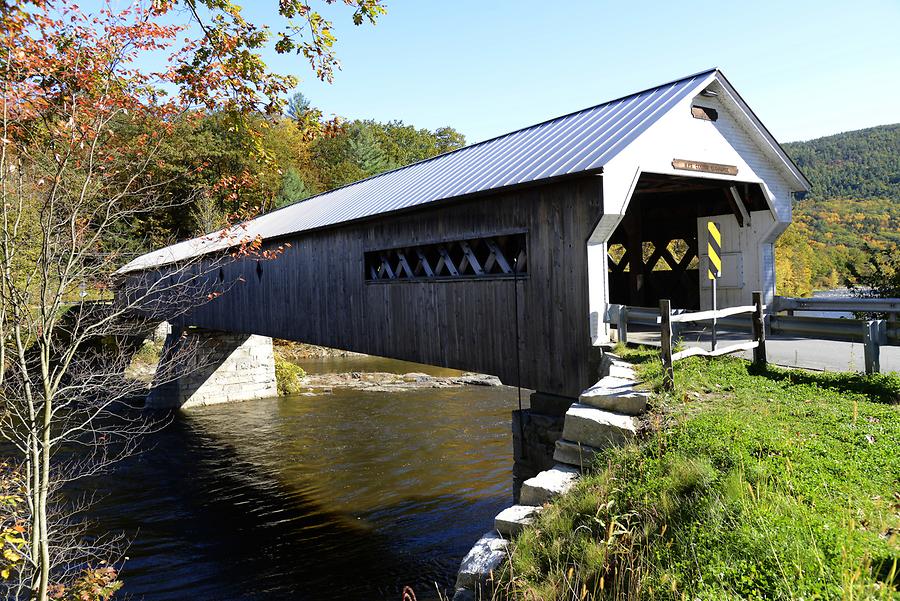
(350, 495)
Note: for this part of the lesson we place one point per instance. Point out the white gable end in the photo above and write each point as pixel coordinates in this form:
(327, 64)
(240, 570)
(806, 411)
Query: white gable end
(727, 137)
(729, 140)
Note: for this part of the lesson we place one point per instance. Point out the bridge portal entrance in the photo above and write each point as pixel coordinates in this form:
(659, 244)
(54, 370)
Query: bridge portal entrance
(657, 250)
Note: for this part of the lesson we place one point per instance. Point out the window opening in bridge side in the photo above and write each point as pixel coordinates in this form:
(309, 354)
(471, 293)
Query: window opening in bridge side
(489, 257)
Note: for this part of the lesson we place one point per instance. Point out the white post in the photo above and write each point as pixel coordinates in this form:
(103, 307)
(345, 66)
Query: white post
(714, 314)
(598, 295)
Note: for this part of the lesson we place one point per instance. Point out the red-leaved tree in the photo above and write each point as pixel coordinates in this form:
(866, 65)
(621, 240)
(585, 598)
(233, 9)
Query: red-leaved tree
(82, 118)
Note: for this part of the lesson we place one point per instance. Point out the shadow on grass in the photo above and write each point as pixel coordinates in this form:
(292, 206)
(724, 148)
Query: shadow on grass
(637, 354)
(880, 388)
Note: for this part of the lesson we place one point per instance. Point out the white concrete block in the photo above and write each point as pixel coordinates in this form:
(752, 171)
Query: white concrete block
(512, 520)
(616, 394)
(547, 485)
(597, 428)
(574, 454)
(480, 563)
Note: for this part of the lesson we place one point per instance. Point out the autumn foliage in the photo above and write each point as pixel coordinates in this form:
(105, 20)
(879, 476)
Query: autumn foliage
(89, 100)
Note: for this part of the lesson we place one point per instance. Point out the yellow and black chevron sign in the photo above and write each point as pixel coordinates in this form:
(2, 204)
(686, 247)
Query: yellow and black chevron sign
(714, 249)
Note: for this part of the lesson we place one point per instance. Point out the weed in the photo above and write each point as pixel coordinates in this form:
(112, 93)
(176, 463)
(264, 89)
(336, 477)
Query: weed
(287, 376)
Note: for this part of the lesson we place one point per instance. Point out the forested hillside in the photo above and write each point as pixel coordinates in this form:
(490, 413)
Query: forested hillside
(856, 164)
(852, 212)
(219, 168)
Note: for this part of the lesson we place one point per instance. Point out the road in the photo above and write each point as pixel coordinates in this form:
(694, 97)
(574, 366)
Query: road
(821, 355)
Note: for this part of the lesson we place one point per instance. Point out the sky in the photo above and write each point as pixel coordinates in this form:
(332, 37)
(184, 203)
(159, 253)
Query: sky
(487, 67)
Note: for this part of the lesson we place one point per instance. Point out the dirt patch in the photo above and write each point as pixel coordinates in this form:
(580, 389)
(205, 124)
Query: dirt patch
(295, 351)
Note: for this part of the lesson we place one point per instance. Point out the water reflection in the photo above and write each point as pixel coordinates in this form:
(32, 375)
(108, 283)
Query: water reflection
(345, 496)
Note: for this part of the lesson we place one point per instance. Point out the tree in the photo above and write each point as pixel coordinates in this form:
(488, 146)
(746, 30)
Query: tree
(206, 215)
(448, 139)
(859, 165)
(365, 148)
(404, 144)
(309, 120)
(366, 152)
(293, 189)
(206, 148)
(82, 129)
(203, 151)
(793, 263)
(879, 275)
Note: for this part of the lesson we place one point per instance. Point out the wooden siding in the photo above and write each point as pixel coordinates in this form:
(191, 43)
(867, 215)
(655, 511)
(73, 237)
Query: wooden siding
(316, 291)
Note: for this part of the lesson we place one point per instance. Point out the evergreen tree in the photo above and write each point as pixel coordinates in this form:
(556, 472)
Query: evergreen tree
(298, 106)
(367, 152)
(293, 189)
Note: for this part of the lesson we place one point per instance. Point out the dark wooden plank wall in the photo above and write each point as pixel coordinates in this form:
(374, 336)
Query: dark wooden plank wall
(316, 291)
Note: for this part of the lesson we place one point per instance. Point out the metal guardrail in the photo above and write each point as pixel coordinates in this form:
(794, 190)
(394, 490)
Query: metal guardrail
(853, 305)
(826, 328)
(871, 333)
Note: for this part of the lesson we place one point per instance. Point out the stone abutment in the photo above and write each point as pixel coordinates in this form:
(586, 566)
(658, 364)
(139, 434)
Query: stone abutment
(203, 367)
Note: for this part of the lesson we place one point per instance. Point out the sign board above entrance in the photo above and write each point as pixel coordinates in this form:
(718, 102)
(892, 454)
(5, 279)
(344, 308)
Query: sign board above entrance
(686, 165)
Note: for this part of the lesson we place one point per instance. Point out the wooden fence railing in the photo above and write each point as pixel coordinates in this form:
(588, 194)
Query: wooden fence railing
(871, 333)
(667, 318)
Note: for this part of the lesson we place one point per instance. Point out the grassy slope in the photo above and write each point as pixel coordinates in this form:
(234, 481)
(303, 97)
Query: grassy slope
(774, 485)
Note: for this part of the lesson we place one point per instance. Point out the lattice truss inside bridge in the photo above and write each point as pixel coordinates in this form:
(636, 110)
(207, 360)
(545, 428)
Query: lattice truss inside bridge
(488, 257)
(674, 254)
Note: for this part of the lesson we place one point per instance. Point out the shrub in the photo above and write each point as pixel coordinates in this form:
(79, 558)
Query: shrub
(287, 376)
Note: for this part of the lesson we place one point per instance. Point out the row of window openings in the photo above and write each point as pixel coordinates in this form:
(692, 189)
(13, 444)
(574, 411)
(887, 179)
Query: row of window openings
(489, 257)
(460, 259)
(481, 257)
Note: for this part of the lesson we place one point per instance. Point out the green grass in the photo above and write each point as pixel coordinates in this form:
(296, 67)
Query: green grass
(768, 484)
(148, 354)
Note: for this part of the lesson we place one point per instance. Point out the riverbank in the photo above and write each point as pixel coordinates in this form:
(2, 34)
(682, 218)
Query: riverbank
(744, 484)
(389, 382)
(299, 351)
(292, 358)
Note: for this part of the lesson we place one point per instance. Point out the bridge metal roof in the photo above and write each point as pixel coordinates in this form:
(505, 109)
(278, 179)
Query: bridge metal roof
(582, 141)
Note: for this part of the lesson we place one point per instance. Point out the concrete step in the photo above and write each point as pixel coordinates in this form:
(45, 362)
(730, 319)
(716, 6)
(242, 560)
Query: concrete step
(616, 394)
(574, 454)
(597, 428)
(512, 520)
(547, 485)
(480, 563)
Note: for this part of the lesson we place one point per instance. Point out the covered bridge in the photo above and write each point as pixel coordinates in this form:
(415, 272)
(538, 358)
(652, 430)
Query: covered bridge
(500, 257)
